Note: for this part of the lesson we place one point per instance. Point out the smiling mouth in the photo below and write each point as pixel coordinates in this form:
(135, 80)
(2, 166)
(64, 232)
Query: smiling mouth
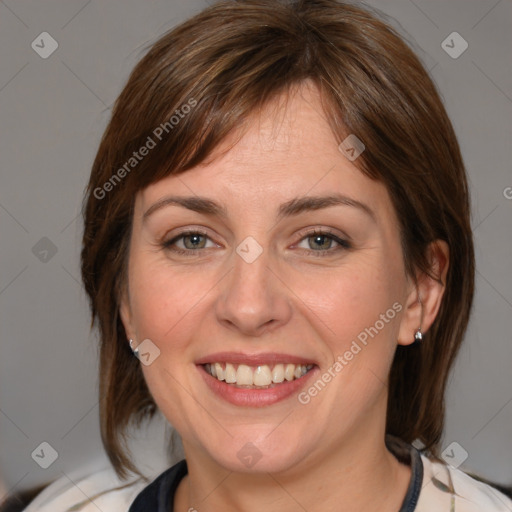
(256, 377)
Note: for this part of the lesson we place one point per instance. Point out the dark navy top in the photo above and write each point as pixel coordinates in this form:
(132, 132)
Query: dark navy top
(158, 496)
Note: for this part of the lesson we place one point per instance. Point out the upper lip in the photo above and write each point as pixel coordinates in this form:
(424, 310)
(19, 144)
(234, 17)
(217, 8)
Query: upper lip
(268, 358)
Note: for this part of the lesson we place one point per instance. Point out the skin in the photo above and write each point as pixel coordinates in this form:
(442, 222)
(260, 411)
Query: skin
(331, 450)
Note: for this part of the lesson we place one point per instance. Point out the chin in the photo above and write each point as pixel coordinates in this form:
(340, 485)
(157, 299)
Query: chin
(274, 453)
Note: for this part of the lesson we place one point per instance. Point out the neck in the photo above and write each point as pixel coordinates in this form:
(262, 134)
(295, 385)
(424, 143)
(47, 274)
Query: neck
(361, 475)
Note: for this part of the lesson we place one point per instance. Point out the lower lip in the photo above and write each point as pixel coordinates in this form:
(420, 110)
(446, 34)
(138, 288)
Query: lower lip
(255, 397)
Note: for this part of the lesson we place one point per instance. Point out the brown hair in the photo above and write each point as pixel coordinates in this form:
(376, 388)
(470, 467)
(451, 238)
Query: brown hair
(226, 63)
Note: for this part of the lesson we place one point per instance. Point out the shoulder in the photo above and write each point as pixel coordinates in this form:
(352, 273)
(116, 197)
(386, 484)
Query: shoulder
(446, 488)
(88, 490)
(159, 494)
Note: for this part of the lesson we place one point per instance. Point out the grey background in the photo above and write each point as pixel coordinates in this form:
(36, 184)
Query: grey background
(53, 112)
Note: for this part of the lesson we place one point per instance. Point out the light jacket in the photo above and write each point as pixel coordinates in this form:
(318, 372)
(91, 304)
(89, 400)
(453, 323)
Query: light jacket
(444, 489)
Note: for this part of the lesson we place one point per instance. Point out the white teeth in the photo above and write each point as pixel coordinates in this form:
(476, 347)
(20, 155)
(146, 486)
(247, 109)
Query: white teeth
(278, 374)
(219, 371)
(230, 374)
(260, 376)
(289, 372)
(244, 376)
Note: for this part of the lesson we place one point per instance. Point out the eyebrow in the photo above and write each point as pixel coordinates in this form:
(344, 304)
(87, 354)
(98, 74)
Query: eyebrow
(292, 207)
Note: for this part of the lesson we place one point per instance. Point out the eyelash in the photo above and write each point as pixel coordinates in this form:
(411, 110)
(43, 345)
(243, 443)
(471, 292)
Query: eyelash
(342, 243)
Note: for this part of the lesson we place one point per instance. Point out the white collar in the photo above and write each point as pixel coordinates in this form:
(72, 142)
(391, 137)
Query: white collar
(444, 489)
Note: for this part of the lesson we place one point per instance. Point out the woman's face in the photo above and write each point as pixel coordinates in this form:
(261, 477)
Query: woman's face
(273, 281)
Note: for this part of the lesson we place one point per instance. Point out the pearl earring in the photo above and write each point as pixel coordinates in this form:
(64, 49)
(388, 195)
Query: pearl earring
(134, 350)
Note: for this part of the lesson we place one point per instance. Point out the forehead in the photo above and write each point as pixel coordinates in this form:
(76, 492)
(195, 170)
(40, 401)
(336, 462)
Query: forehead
(285, 150)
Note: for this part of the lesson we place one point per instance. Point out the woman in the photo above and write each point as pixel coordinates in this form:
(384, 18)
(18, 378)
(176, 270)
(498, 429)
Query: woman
(279, 257)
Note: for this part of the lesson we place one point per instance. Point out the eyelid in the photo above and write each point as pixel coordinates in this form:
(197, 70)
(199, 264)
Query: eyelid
(323, 230)
(337, 235)
(191, 230)
(343, 241)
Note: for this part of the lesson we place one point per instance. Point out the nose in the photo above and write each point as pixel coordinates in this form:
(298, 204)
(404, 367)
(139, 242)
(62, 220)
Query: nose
(253, 299)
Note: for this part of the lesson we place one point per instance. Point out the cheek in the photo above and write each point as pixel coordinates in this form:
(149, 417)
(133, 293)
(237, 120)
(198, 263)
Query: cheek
(359, 310)
(353, 298)
(164, 301)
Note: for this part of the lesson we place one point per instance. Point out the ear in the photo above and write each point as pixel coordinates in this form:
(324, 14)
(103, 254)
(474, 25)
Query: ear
(126, 314)
(425, 296)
